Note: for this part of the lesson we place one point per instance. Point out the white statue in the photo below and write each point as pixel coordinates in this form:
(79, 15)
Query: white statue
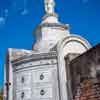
(49, 6)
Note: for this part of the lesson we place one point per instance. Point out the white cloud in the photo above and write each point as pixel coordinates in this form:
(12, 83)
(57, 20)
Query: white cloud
(85, 1)
(6, 12)
(24, 12)
(2, 21)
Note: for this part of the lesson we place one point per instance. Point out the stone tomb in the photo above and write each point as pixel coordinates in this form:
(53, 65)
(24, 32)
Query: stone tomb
(35, 76)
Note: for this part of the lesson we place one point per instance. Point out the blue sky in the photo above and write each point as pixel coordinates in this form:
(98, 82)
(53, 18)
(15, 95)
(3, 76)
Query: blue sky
(16, 26)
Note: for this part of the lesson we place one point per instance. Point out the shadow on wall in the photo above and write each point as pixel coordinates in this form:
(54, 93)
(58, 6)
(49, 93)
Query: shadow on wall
(85, 75)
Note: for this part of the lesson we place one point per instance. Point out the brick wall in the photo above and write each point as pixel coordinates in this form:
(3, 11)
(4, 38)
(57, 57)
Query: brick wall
(87, 90)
